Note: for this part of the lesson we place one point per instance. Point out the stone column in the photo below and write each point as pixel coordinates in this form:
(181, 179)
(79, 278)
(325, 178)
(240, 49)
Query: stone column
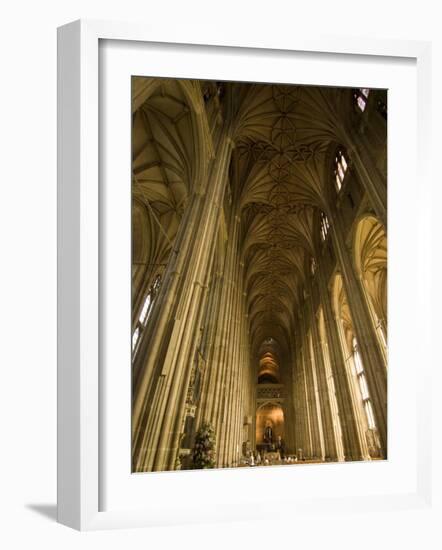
(213, 406)
(351, 436)
(331, 385)
(168, 363)
(303, 439)
(314, 415)
(374, 182)
(330, 449)
(289, 412)
(210, 326)
(208, 383)
(181, 405)
(238, 413)
(369, 348)
(310, 436)
(228, 358)
(296, 428)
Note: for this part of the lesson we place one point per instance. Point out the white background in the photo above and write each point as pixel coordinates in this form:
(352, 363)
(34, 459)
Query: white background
(121, 490)
(28, 274)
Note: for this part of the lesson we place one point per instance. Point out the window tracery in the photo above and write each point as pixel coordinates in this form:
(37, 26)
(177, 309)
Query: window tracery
(362, 382)
(361, 97)
(325, 226)
(340, 168)
(145, 312)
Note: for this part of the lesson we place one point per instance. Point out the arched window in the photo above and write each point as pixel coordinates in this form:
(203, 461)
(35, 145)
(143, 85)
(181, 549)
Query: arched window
(325, 226)
(145, 312)
(360, 375)
(330, 383)
(340, 168)
(361, 97)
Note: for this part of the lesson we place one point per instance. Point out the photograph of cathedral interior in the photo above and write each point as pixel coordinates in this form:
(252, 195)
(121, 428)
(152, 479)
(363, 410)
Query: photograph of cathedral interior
(259, 274)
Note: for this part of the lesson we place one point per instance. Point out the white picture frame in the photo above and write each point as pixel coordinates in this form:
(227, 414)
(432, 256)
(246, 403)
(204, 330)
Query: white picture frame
(79, 274)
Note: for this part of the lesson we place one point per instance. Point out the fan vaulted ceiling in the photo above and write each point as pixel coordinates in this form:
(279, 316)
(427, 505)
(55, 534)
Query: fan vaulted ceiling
(279, 168)
(284, 137)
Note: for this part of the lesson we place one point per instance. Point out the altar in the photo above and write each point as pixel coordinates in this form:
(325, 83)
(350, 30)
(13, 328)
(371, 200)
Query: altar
(272, 457)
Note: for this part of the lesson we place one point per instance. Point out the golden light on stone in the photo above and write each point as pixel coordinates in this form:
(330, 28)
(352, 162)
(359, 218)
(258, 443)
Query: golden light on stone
(259, 274)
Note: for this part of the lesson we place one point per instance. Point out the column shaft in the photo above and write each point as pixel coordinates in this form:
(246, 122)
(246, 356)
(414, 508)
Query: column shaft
(351, 437)
(372, 355)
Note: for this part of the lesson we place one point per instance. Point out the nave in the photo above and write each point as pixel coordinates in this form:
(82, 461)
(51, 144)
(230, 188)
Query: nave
(259, 274)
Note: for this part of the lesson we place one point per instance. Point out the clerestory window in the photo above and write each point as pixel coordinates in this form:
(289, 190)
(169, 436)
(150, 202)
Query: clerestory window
(340, 168)
(361, 97)
(325, 226)
(145, 313)
(362, 381)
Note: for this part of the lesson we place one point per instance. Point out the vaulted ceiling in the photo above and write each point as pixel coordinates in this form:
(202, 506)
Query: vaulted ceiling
(163, 167)
(279, 179)
(284, 137)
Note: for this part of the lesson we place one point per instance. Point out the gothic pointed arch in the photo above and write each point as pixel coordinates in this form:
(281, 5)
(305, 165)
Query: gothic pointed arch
(257, 283)
(370, 257)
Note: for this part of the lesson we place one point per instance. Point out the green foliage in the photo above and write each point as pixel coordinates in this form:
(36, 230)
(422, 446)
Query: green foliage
(203, 456)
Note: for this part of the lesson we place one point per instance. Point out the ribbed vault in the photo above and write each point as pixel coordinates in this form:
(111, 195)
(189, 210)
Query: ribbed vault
(371, 263)
(239, 228)
(279, 181)
(164, 170)
(278, 172)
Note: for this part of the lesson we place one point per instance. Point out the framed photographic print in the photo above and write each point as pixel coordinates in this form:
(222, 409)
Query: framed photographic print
(228, 335)
(249, 281)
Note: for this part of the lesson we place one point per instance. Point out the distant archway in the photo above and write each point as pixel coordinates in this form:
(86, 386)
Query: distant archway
(267, 378)
(269, 415)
